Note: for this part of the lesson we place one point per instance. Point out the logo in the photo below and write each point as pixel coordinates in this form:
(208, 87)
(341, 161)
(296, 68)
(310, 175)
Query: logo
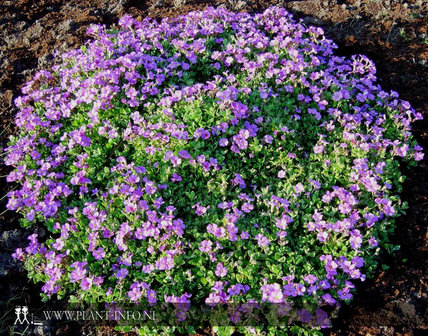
(21, 313)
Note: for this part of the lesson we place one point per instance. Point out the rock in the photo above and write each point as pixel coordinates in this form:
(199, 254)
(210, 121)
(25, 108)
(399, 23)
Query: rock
(237, 5)
(10, 239)
(3, 271)
(21, 65)
(115, 7)
(387, 331)
(179, 3)
(8, 265)
(67, 26)
(7, 96)
(95, 12)
(34, 32)
(12, 40)
(21, 25)
(157, 4)
(52, 9)
(4, 61)
(64, 46)
(324, 4)
(407, 309)
(41, 232)
(309, 20)
(45, 61)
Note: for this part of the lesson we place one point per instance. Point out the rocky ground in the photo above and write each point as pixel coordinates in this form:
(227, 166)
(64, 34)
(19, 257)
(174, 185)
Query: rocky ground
(393, 33)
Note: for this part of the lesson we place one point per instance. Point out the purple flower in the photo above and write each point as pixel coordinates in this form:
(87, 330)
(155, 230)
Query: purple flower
(318, 149)
(122, 273)
(165, 263)
(175, 160)
(272, 293)
(217, 231)
(329, 299)
(239, 181)
(344, 294)
(337, 95)
(200, 210)
(262, 240)
(130, 207)
(290, 290)
(176, 178)
(151, 297)
(305, 316)
(113, 134)
(402, 151)
(99, 253)
(184, 154)
(220, 271)
(135, 294)
(245, 235)
(299, 188)
(316, 184)
(206, 246)
(77, 274)
(223, 142)
(268, 139)
(323, 236)
(310, 279)
(148, 268)
(373, 242)
(86, 284)
(419, 156)
(247, 207)
(18, 254)
(356, 239)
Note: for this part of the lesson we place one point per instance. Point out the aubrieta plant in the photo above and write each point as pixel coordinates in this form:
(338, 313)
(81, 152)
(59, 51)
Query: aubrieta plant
(216, 158)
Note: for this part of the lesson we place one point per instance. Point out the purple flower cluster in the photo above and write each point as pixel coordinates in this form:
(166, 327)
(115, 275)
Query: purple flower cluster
(225, 155)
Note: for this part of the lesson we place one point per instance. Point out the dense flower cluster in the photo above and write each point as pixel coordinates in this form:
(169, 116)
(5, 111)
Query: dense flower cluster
(215, 157)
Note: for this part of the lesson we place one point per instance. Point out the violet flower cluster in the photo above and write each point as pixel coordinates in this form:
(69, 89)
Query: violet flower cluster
(215, 157)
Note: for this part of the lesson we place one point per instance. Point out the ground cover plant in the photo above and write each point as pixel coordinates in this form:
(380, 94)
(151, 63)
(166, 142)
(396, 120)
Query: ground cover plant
(216, 157)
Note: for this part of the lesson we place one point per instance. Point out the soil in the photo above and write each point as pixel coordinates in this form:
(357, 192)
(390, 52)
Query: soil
(393, 33)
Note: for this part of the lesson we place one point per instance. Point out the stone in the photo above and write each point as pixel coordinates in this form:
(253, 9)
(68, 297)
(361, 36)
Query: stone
(10, 238)
(179, 3)
(114, 7)
(67, 26)
(21, 25)
(157, 4)
(237, 5)
(45, 61)
(309, 20)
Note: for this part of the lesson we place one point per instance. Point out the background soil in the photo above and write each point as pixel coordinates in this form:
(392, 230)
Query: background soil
(392, 33)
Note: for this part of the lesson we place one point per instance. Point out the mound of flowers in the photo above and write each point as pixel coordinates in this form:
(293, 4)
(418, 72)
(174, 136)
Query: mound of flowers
(216, 158)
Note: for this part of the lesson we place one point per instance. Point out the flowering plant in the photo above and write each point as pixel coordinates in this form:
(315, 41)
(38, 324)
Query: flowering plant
(215, 157)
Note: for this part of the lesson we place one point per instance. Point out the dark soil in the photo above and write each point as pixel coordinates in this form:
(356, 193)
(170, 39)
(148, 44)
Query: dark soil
(393, 33)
